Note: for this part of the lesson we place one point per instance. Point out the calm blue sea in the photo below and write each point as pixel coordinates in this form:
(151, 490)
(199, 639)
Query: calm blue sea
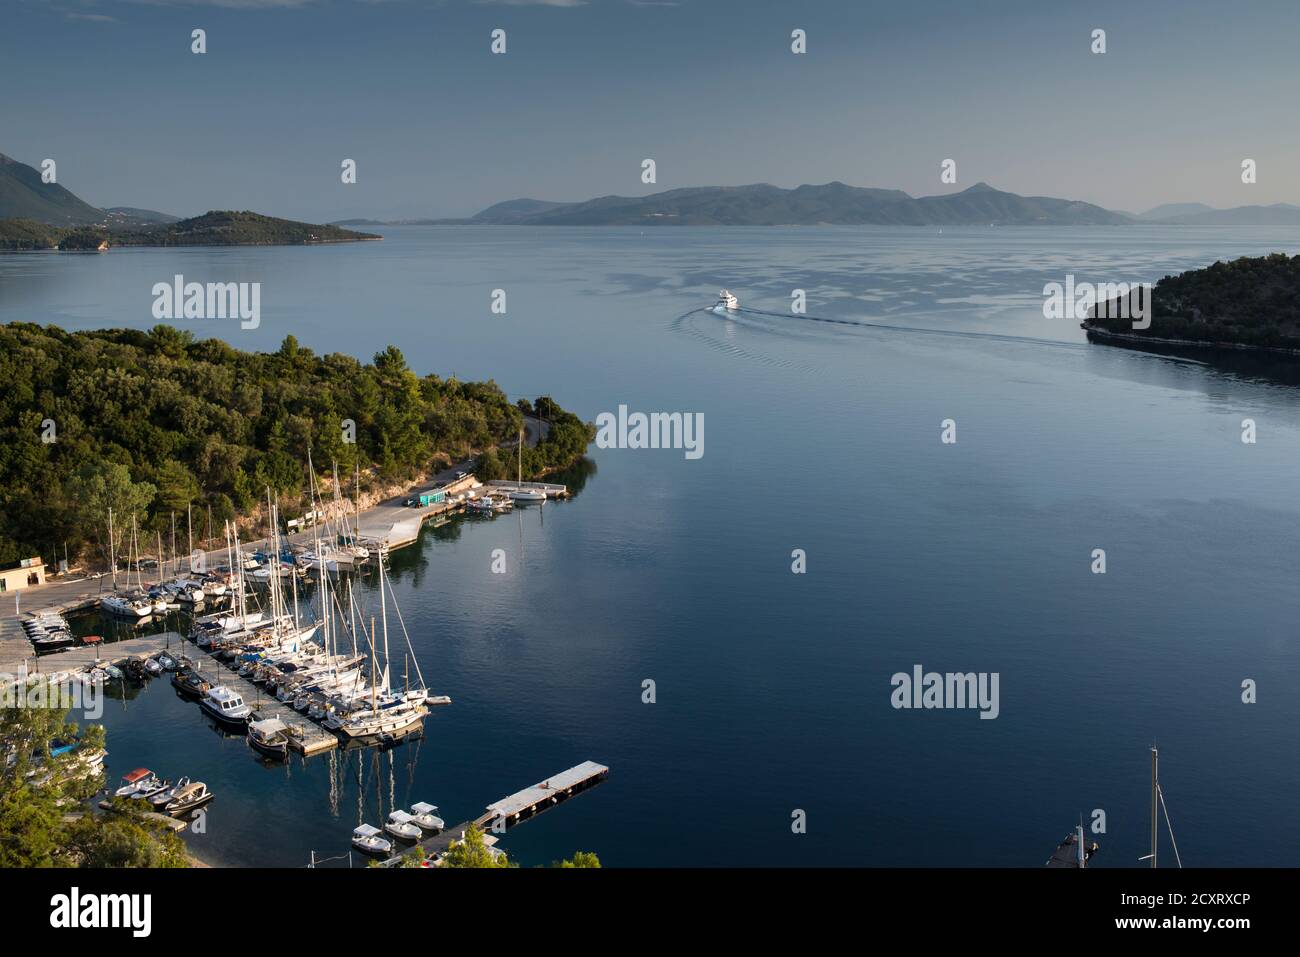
(773, 689)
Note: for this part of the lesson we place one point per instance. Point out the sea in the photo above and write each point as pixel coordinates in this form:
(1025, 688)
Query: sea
(917, 470)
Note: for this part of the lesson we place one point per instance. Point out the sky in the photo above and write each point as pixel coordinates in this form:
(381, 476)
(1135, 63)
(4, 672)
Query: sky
(709, 89)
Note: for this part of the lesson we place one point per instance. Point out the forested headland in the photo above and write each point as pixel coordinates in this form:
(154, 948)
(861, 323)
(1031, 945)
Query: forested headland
(148, 423)
(1252, 301)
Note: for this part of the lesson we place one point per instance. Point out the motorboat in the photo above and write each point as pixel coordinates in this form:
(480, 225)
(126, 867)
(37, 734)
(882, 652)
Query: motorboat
(726, 301)
(423, 815)
(270, 737)
(400, 825)
(188, 798)
(226, 705)
(370, 840)
(166, 794)
(132, 781)
(149, 789)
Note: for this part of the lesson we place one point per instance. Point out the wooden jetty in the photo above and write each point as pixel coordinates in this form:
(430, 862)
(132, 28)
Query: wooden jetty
(18, 658)
(500, 816)
(305, 736)
(176, 824)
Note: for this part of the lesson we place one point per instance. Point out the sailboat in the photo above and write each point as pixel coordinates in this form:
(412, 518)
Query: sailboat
(521, 494)
(386, 712)
(1157, 806)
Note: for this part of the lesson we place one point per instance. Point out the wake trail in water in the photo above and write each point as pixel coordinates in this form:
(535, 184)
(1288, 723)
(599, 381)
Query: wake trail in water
(679, 323)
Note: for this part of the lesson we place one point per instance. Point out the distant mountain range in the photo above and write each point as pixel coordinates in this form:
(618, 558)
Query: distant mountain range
(839, 204)
(24, 196)
(38, 215)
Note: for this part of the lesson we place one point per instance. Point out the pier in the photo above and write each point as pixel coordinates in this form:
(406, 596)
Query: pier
(305, 735)
(505, 813)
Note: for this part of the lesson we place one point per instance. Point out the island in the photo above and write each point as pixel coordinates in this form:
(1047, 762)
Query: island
(214, 228)
(1251, 303)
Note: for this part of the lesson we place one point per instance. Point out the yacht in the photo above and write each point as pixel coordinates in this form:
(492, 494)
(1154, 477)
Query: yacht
(226, 705)
(526, 495)
(727, 301)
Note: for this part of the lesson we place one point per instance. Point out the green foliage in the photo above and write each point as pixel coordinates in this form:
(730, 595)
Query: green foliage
(579, 859)
(473, 852)
(148, 422)
(41, 821)
(1251, 301)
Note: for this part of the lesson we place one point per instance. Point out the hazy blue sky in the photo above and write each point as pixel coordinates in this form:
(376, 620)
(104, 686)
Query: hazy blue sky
(708, 88)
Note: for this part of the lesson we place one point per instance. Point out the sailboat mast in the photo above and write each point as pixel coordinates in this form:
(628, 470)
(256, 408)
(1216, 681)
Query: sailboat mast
(1155, 792)
(112, 551)
(189, 534)
(383, 611)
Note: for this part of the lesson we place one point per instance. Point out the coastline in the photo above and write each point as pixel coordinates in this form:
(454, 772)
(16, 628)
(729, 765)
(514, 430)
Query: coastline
(1105, 335)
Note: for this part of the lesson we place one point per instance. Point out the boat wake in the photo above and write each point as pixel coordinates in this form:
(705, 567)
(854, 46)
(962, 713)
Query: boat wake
(682, 324)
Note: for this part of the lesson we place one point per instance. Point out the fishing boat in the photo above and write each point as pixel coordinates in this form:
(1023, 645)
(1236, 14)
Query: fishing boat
(53, 641)
(191, 684)
(726, 301)
(423, 815)
(270, 737)
(402, 827)
(153, 666)
(132, 781)
(168, 662)
(188, 798)
(226, 705)
(370, 840)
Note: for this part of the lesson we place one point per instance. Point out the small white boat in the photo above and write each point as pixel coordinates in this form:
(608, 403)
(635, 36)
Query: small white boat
(369, 839)
(133, 781)
(727, 301)
(528, 495)
(164, 796)
(422, 814)
(401, 826)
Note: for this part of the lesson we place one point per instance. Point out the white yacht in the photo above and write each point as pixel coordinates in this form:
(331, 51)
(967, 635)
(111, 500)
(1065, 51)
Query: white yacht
(727, 301)
(226, 705)
(402, 826)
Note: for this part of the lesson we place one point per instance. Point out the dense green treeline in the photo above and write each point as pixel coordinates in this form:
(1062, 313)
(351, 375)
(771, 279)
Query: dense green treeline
(1251, 301)
(148, 422)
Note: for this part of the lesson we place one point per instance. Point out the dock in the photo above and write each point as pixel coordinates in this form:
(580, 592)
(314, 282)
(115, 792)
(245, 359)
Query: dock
(501, 815)
(17, 657)
(175, 824)
(305, 736)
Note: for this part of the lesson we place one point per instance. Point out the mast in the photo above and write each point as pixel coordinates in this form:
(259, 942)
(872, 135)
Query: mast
(383, 611)
(175, 565)
(1155, 796)
(112, 551)
(520, 480)
(160, 560)
(189, 535)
